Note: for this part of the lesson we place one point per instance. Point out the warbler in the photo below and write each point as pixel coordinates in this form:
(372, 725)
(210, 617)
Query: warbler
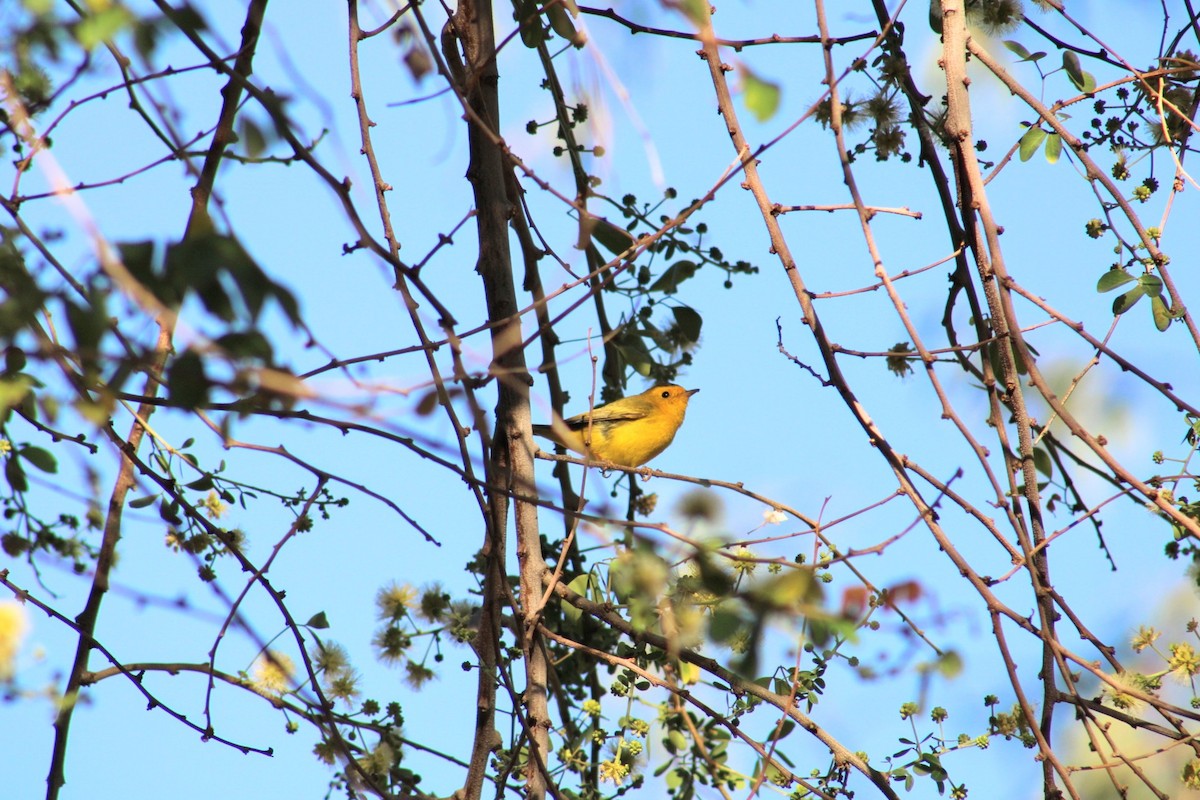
(627, 432)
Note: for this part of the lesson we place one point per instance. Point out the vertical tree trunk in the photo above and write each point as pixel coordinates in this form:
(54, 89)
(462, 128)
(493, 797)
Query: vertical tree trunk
(509, 468)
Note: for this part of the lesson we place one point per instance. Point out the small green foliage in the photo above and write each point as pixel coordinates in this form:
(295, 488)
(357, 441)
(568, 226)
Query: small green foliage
(614, 239)
(1042, 461)
(950, 664)
(1081, 80)
(687, 324)
(1112, 279)
(677, 273)
(761, 96)
(561, 24)
(695, 10)
(252, 137)
(1030, 142)
(101, 26)
(187, 383)
(1021, 52)
(1053, 148)
(581, 585)
(1148, 285)
(533, 31)
(1161, 314)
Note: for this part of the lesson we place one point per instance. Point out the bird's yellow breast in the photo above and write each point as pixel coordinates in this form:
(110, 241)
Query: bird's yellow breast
(633, 442)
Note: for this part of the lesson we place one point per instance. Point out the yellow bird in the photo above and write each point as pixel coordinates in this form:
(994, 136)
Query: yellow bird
(627, 432)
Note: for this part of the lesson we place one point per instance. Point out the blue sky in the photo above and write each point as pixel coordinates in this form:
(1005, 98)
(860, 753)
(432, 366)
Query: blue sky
(758, 419)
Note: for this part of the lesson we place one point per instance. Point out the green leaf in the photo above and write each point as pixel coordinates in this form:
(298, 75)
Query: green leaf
(1162, 315)
(14, 360)
(532, 32)
(1018, 48)
(695, 10)
(12, 392)
(787, 727)
(15, 475)
(675, 274)
(761, 96)
(145, 38)
(188, 19)
(794, 589)
(1083, 81)
(187, 384)
(930, 764)
(88, 325)
(201, 484)
(651, 331)
(1023, 54)
(774, 774)
(580, 586)
(193, 265)
(102, 26)
(1151, 284)
(1030, 142)
(950, 665)
(560, 21)
(1074, 70)
(225, 277)
(614, 239)
(632, 348)
(318, 621)
(252, 137)
(1126, 301)
(1053, 147)
(139, 259)
(246, 344)
(689, 322)
(143, 502)
(1042, 461)
(169, 511)
(287, 302)
(727, 622)
(42, 459)
(1112, 279)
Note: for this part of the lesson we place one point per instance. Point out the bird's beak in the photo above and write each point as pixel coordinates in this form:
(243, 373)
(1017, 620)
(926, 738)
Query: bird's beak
(691, 392)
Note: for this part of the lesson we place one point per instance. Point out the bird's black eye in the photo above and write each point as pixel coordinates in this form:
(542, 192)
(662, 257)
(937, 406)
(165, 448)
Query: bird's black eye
(666, 393)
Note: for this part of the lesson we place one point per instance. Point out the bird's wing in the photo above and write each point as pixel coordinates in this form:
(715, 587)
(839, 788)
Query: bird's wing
(604, 415)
